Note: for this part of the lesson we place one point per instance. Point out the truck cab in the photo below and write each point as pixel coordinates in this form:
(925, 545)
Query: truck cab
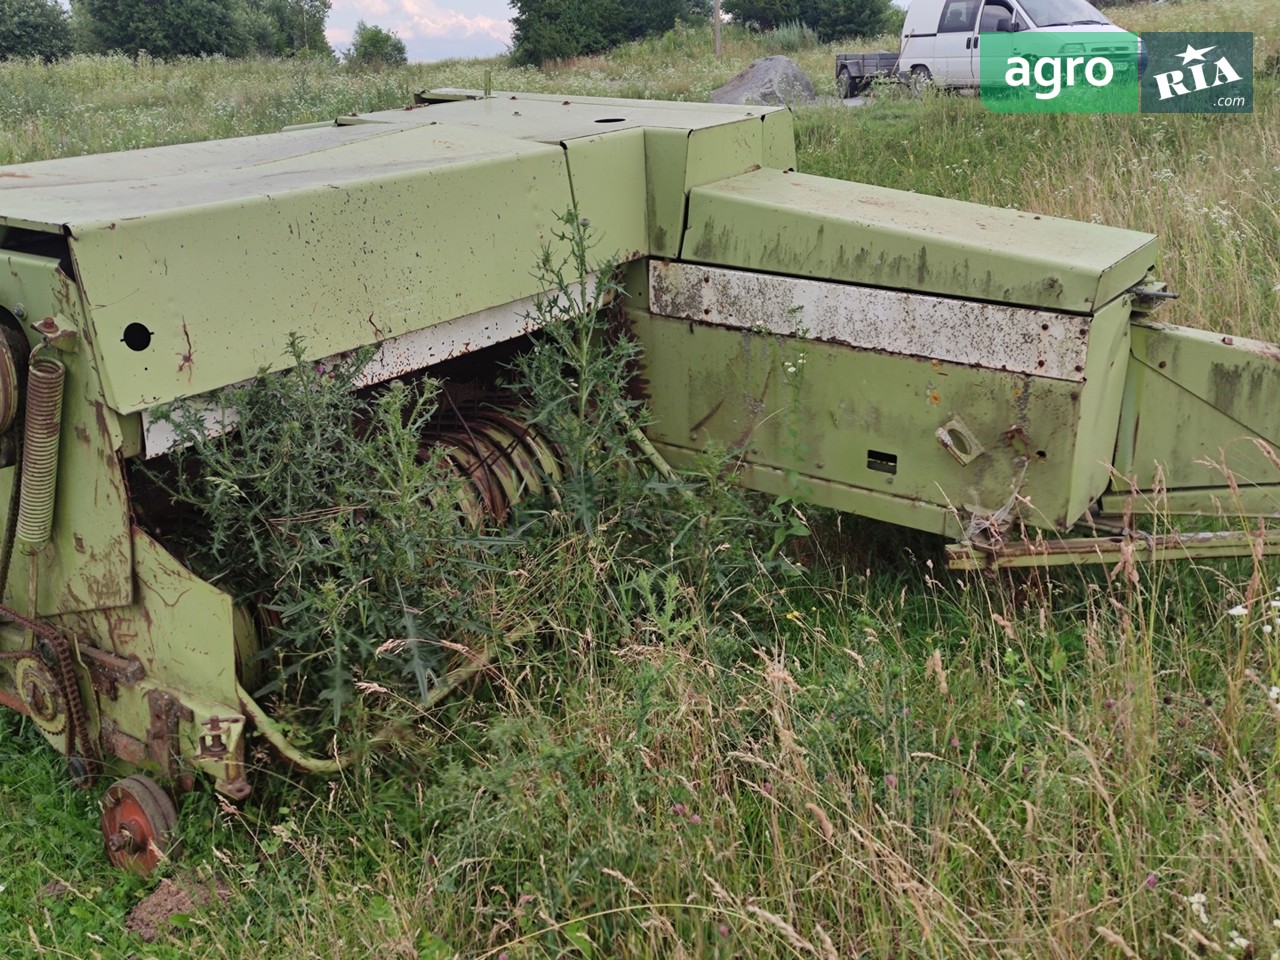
(941, 38)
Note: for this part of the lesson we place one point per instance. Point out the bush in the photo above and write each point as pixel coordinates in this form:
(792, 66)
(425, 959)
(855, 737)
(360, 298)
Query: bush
(561, 29)
(376, 48)
(33, 28)
(830, 18)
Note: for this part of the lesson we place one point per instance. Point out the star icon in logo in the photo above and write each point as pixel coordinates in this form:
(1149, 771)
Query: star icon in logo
(1191, 53)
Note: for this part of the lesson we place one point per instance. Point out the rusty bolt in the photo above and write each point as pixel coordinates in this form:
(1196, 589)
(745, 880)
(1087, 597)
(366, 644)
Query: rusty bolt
(122, 839)
(19, 311)
(1163, 364)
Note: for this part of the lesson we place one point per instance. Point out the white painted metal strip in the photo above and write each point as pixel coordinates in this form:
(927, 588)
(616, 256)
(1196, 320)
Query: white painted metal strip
(990, 335)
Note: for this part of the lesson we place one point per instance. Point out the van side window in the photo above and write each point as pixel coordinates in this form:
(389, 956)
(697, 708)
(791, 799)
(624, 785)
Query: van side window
(959, 16)
(992, 13)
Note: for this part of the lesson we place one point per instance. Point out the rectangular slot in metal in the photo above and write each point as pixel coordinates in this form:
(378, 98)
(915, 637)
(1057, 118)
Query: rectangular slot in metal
(882, 462)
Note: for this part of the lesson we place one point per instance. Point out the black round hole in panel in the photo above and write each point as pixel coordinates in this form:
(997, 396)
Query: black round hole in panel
(136, 337)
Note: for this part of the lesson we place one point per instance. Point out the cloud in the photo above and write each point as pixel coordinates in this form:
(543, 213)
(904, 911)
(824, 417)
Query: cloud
(423, 18)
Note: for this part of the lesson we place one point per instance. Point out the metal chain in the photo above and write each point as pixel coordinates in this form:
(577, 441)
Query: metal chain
(64, 676)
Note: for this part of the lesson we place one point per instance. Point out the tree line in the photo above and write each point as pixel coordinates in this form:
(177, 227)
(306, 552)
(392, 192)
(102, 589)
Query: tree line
(186, 28)
(559, 29)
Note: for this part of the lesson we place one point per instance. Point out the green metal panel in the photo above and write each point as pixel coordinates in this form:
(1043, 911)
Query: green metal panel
(779, 141)
(723, 151)
(556, 119)
(1195, 399)
(814, 227)
(86, 564)
(221, 287)
(1101, 396)
(184, 633)
(665, 153)
(607, 173)
(832, 417)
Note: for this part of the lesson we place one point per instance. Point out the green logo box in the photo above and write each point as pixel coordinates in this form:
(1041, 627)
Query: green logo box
(1047, 71)
(1198, 73)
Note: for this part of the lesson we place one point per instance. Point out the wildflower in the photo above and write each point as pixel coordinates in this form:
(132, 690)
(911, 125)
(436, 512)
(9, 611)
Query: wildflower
(1238, 941)
(1020, 703)
(695, 819)
(1274, 695)
(1151, 881)
(724, 930)
(678, 809)
(891, 781)
(1239, 610)
(795, 616)
(1197, 902)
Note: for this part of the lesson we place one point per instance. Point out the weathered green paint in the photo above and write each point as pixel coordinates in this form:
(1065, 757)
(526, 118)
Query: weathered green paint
(607, 174)
(1079, 551)
(1106, 366)
(814, 227)
(816, 411)
(1198, 405)
(387, 227)
(86, 564)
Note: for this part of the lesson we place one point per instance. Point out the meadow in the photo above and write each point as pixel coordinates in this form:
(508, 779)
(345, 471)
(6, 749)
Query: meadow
(847, 753)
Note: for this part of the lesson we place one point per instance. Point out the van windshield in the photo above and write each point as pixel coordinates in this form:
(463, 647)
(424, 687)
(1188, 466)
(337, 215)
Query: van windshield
(1061, 13)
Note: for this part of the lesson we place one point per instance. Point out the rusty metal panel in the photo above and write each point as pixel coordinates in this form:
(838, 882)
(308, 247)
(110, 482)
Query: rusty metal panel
(969, 332)
(801, 225)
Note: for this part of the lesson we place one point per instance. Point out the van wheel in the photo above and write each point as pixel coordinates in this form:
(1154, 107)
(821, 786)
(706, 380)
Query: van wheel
(920, 80)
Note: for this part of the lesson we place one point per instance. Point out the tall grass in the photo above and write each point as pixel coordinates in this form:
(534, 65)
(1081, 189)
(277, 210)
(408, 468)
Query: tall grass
(866, 757)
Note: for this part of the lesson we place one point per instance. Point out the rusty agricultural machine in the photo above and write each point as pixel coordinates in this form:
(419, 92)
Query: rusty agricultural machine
(985, 374)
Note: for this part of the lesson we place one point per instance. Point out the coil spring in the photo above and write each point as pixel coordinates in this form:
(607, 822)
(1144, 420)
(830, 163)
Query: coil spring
(42, 431)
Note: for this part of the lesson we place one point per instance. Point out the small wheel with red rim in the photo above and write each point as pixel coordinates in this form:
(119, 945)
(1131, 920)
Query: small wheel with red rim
(139, 824)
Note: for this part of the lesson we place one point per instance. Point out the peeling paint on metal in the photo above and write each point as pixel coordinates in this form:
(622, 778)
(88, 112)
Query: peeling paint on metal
(995, 336)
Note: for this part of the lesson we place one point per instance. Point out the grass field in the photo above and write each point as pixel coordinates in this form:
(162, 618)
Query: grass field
(869, 758)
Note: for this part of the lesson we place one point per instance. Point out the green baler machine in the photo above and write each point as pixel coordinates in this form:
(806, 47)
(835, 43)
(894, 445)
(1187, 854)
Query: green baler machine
(989, 375)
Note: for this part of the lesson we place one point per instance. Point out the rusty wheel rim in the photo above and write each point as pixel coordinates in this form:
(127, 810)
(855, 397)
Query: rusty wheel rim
(139, 825)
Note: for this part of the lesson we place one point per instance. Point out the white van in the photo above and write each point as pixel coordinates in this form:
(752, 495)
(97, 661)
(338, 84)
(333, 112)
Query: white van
(940, 37)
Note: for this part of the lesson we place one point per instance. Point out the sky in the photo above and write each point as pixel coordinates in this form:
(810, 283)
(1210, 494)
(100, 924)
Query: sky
(430, 30)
